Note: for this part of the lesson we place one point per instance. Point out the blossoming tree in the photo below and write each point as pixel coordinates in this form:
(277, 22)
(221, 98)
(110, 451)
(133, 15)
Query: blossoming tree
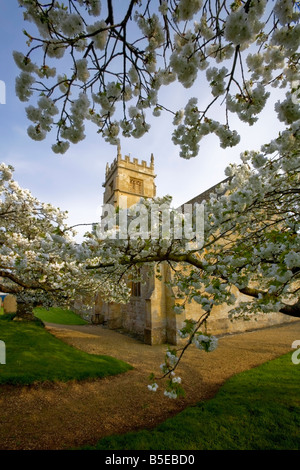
(116, 61)
(107, 63)
(39, 259)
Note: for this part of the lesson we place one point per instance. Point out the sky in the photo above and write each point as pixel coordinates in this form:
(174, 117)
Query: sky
(73, 181)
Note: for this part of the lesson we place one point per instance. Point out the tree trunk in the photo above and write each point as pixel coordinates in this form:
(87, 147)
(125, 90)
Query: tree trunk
(24, 312)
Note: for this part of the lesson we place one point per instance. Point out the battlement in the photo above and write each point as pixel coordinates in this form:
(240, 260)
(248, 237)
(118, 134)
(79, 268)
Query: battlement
(126, 162)
(130, 178)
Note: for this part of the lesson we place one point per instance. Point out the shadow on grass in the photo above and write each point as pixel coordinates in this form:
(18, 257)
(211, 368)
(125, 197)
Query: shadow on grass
(256, 410)
(33, 355)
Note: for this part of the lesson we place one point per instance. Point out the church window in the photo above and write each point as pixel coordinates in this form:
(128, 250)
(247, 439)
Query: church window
(136, 186)
(135, 285)
(136, 289)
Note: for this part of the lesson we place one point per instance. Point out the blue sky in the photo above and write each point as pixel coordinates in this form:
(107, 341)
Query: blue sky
(73, 181)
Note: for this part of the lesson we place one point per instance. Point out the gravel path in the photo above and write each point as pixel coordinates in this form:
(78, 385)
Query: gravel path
(58, 416)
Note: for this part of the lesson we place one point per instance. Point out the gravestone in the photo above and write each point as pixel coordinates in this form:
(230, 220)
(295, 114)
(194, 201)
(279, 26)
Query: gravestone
(2, 352)
(10, 304)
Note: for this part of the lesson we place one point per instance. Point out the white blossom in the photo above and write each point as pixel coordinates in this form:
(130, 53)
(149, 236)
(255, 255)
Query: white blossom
(170, 394)
(163, 8)
(60, 147)
(98, 32)
(187, 8)
(206, 343)
(153, 387)
(284, 10)
(82, 71)
(23, 83)
(287, 110)
(24, 63)
(176, 380)
(36, 133)
(54, 49)
(72, 25)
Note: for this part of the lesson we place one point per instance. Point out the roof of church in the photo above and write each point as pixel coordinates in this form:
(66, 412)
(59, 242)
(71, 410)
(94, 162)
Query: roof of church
(206, 194)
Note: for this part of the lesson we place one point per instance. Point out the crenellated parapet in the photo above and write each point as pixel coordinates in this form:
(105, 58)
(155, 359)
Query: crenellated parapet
(131, 164)
(129, 177)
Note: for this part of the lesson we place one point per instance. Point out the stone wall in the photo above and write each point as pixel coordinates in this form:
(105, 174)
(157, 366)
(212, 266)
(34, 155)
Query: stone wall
(10, 304)
(219, 322)
(151, 316)
(84, 308)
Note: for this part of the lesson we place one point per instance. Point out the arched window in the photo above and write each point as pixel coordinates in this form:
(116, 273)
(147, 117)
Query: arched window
(136, 186)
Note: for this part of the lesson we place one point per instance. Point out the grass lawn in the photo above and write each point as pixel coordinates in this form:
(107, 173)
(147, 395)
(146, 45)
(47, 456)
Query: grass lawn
(256, 410)
(58, 316)
(34, 355)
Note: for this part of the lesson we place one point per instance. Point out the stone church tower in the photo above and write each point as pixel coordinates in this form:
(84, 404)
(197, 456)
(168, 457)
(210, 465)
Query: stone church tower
(127, 180)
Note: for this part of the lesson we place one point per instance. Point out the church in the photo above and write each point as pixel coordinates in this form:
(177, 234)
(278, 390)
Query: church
(149, 315)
